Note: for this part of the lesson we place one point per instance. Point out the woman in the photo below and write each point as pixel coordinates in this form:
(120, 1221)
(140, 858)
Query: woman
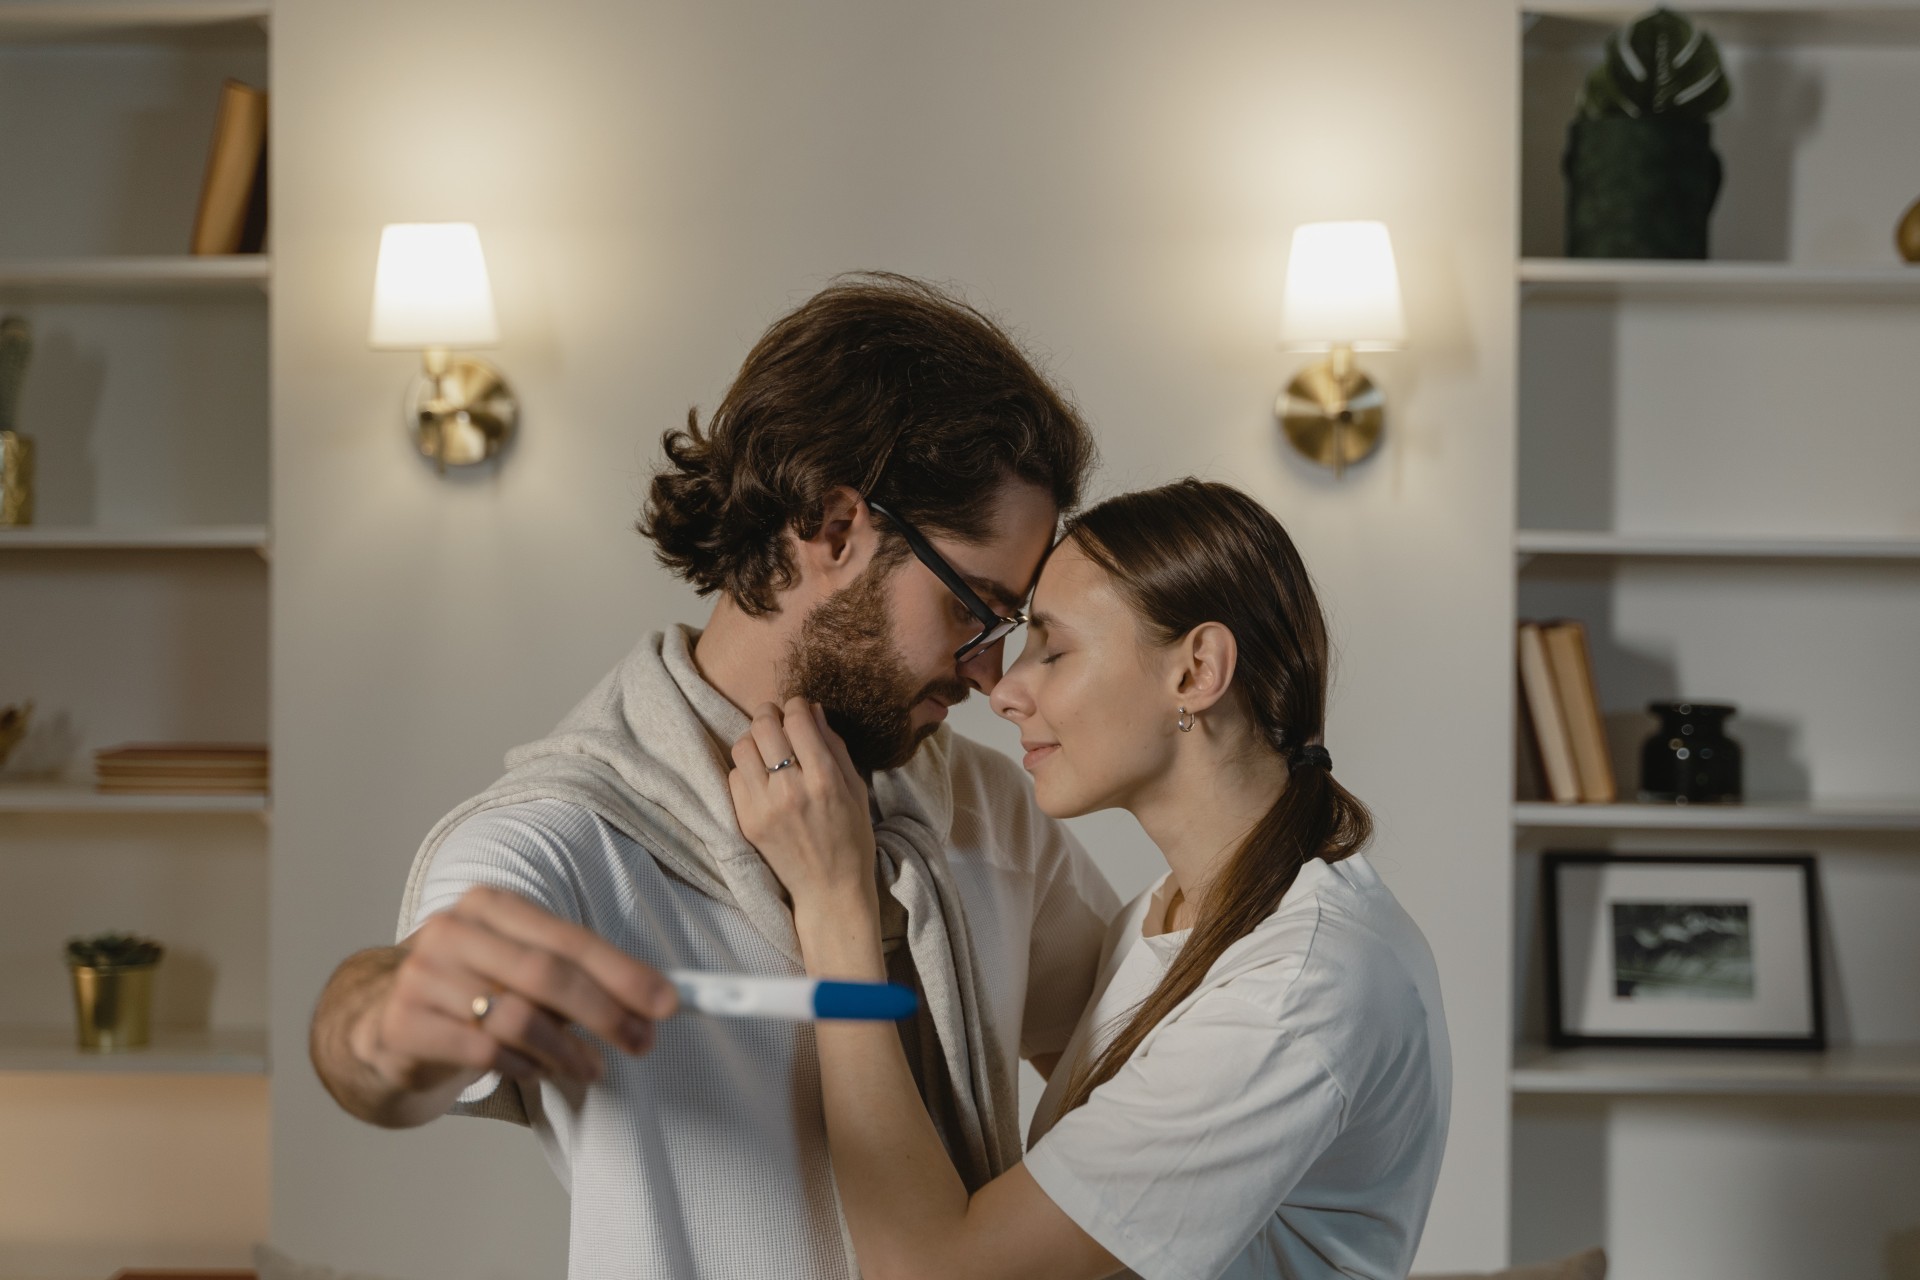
(1260, 1087)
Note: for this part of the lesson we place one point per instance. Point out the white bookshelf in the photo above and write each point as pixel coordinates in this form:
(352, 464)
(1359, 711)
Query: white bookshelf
(1714, 474)
(135, 610)
(244, 537)
(1812, 817)
(226, 1051)
(1871, 1070)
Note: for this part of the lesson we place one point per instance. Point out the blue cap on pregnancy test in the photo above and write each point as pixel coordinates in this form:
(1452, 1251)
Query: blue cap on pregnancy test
(868, 1001)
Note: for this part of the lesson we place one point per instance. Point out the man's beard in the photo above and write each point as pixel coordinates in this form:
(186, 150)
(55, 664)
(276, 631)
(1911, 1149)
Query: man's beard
(845, 659)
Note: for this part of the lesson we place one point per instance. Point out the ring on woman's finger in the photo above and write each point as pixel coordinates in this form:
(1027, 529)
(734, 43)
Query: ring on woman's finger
(775, 768)
(482, 1006)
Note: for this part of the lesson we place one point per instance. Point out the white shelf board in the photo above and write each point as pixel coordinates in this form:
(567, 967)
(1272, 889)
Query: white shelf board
(221, 1051)
(1613, 276)
(49, 21)
(71, 797)
(167, 273)
(1823, 815)
(1737, 22)
(239, 537)
(1579, 542)
(1872, 1070)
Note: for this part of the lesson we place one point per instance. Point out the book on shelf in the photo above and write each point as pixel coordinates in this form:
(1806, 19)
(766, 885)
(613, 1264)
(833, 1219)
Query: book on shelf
(1572, 664)
(232, 217)
(1529, 778)
(1562, 709)
(1550, 736)
(182, 768)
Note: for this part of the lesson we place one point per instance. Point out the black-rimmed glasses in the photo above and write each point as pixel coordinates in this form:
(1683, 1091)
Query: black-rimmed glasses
(993, 627)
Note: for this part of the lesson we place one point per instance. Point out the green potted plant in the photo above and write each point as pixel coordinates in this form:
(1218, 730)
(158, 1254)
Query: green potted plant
(113, 989)
(1641, 171)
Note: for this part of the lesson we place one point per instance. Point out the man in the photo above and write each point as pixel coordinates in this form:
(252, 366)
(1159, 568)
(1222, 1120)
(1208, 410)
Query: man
(870, 505)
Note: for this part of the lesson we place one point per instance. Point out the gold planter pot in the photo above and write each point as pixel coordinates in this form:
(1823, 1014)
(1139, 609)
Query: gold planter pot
(114, 1005)
(16, 480)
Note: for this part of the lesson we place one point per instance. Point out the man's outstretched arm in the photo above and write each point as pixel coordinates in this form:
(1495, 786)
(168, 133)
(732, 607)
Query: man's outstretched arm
(394, 1036)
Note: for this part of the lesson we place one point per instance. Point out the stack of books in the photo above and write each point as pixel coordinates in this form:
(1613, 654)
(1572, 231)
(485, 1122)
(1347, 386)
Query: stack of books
(182, 768)
(1569, 739)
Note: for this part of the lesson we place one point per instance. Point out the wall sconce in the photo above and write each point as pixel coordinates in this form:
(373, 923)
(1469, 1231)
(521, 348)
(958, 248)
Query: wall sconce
(431, 294)
(1342, 296)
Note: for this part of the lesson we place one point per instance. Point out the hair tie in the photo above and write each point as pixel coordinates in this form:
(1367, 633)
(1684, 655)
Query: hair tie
(1314, 755)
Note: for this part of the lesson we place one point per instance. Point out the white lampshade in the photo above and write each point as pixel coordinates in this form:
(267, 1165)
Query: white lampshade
(430, 288)
(1342, 286)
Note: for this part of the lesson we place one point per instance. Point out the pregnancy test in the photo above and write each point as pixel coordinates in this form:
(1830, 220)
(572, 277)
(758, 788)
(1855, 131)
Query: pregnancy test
(739, 995)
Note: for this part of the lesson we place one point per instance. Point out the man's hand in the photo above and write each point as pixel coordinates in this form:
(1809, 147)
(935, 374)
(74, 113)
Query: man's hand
(395, 1037)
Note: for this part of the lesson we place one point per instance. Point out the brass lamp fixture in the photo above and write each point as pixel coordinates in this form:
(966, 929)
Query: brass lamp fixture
(431, 294)
(1342, 296)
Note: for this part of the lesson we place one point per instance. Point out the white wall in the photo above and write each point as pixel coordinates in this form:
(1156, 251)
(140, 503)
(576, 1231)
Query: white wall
(654, 183)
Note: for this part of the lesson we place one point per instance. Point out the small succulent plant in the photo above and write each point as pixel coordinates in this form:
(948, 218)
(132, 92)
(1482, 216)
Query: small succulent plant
(16, 348)
(1659, 64)
(113, 951)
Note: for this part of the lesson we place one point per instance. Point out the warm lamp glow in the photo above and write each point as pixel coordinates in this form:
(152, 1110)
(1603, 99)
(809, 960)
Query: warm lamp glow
(1342, 287)
(430, 288)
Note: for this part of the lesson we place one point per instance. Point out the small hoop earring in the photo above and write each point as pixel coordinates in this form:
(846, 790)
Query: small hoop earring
(1185, 722)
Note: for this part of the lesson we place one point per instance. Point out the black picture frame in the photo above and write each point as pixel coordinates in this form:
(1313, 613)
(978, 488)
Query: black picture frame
(1552, 864)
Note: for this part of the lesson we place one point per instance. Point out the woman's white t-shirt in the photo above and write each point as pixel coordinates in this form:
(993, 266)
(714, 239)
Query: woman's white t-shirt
(1287, 1119)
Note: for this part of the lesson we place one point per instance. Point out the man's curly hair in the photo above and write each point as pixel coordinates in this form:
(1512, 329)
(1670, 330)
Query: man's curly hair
(882, 383)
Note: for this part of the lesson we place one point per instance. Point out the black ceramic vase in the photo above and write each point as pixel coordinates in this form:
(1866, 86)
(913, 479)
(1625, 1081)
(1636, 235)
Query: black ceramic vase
(1639, 188)
(1690, 759)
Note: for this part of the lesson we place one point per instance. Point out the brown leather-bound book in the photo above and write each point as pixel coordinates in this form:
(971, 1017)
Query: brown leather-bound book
(178, 756)
(182, 768)
(181, 787)
(1549, 725)
(184, 751)
(233, 194)
(1529, 777)
(1580, 704)
(191, 768)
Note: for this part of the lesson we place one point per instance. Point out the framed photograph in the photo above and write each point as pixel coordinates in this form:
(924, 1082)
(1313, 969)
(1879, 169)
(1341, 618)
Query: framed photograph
(1669, 950)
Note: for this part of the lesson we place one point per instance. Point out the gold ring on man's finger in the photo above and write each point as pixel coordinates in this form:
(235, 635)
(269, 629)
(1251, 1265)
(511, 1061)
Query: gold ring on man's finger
(482, 1006)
